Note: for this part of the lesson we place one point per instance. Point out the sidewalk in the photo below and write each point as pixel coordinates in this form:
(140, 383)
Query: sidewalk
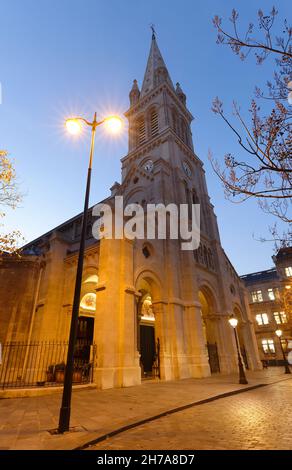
(25, 422)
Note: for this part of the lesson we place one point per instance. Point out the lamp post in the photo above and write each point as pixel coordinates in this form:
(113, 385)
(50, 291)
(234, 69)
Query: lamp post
(279, 334)
(242, 378)
(74, 126)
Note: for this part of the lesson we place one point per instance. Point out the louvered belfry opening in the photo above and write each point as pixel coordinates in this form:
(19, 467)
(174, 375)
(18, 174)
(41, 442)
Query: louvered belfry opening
(154, 123)
(141, 130)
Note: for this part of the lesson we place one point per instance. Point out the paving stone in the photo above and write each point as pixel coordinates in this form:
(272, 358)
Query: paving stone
(253, 420)
(26, 421)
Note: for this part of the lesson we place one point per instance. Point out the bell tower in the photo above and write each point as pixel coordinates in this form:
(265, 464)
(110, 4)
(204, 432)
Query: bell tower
(161, 143)
(161, 167)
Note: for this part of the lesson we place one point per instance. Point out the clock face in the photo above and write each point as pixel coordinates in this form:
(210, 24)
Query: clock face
(187, 169)
(149, 166)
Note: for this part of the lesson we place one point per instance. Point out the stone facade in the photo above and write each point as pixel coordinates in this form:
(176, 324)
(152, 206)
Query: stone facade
(140, 293)
(270, 301)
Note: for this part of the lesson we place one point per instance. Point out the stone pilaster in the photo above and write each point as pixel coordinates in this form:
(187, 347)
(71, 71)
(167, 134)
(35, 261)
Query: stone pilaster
(117, 361)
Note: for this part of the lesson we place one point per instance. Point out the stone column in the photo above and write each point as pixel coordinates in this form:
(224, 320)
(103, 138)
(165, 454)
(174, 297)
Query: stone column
(251, 346)
(226, 345)
(196, 348)
(163, 332)
(117, 361)
(52, 285)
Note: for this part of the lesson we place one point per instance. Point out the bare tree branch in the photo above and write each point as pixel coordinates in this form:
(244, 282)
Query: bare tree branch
(265, 172)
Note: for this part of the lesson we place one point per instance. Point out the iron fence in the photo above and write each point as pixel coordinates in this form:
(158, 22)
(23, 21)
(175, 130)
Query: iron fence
(43, 363)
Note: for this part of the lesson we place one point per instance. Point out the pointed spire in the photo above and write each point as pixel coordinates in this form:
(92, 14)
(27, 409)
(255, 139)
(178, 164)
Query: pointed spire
(156, 71)
(134, 93)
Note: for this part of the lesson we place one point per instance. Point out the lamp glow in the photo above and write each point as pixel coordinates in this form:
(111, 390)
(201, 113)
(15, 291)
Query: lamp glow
(113, 124)
(288, 287)
(73, 126)
(279, 333)
(233, 322)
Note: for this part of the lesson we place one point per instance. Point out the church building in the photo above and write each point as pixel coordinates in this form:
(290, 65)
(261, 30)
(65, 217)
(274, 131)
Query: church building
(148, 308)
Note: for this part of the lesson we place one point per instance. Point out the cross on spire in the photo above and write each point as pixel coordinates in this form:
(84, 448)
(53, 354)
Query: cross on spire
(152, 26)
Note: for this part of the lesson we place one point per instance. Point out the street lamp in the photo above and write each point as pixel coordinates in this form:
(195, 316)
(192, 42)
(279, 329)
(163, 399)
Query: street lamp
(242, 378)
(279, 334)
(74, 126)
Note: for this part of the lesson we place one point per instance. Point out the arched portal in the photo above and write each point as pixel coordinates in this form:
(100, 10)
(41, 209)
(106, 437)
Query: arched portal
(146, 334)
(208, 309)
(87, 308)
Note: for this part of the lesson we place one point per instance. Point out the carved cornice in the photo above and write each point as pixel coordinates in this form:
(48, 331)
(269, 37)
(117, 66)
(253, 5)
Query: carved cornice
(146, 148)
(100, 287)
(167, 134)
(157, 91)
(131, 290)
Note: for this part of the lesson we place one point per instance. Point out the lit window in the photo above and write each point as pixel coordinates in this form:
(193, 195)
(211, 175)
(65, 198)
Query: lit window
(268, 346)
(88, 301)
(262, 319)
(288, 271)
(280, 317)
(271, 294)
(257, 296)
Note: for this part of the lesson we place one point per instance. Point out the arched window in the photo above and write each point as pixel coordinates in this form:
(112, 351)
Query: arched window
(184, 132)
(88, 301)
(154, 123)
(141, 131)
(174, 120)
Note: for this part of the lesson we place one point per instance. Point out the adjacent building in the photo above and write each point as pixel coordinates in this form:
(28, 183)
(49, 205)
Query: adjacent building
(270, 301)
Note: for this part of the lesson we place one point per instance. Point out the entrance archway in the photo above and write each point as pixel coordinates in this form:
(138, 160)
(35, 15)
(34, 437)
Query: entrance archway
(87, 309)
(147, 341)
(146, 344)
(209, 327)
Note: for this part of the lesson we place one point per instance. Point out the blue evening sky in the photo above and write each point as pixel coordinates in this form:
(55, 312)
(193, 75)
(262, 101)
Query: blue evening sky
(72, 56)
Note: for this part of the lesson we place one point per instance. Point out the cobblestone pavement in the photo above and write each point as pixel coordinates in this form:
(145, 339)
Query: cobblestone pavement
(24, 422)
(258, 419)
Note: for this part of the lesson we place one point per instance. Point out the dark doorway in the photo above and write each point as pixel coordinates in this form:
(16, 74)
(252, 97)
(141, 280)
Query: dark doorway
(147, 349)
(213, 358)
(84, 339)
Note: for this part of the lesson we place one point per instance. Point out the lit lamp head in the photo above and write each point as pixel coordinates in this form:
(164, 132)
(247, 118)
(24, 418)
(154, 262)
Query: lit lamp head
(233, 322)
(279, 333)
(113, 124)
(73, 126)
